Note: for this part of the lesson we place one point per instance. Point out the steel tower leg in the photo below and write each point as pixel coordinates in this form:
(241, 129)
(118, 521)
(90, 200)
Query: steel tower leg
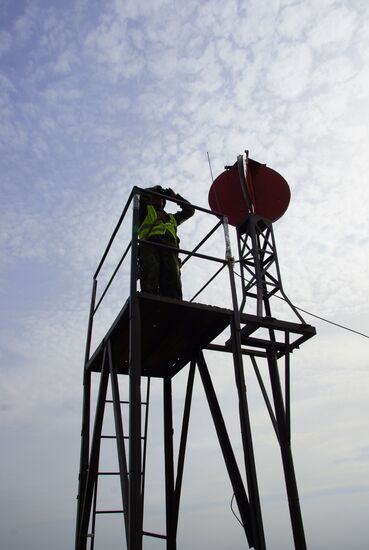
(169, 465)
(135, 461)
(85, 446)
(228, 455)
(94, 456)
(256, 516)
(183, 442)
(86, 408)
(285, 445)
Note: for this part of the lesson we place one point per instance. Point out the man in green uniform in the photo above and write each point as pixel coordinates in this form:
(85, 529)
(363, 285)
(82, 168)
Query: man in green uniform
(160, 267)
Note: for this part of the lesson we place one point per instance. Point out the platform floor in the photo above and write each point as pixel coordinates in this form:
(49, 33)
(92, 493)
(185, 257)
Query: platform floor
(172, 331)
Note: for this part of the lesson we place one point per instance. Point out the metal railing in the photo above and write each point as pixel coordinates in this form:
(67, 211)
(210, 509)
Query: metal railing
(136, 192)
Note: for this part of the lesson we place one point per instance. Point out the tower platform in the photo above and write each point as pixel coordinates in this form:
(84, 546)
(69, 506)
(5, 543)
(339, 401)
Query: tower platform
(171, 332)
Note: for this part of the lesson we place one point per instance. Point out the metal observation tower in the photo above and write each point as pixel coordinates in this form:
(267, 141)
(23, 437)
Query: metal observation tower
(144, 343)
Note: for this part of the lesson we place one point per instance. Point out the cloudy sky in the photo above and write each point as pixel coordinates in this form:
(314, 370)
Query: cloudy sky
(97, 96)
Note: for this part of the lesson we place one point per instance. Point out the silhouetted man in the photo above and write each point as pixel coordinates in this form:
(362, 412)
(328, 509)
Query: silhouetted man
(160, 267)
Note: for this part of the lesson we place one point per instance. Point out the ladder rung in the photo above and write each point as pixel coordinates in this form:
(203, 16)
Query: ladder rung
(112, 473)
(156, 535)
(109, 512)
(115, 437)
(125, 402)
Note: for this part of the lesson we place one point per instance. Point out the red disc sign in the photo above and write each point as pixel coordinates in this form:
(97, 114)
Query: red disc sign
(268, 191)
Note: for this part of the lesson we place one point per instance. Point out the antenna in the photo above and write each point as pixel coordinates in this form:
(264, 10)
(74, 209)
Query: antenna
(211, 172)
(217, 201)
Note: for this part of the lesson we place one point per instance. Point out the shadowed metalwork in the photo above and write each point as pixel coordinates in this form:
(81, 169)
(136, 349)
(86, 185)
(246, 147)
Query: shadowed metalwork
(138, 348)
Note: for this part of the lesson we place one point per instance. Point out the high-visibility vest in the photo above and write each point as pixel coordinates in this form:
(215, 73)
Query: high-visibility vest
(152, 225)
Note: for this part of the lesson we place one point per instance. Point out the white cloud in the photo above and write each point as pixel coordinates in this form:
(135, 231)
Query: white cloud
(164, 65)
(290, 72)
(334, 71)
(332, 107)
(25, 25)
(64, 62)
(335, 27)
(5, 41)
(105, 96)
(57, 94)
(294, 20)
(110, 45)
(134, 9)
(7, 87)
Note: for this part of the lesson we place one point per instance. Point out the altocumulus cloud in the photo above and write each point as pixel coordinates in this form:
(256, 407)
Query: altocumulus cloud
(97, 97)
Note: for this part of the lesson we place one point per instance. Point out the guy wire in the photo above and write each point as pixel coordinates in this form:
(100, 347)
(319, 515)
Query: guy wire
(313, 314)
(219, 208)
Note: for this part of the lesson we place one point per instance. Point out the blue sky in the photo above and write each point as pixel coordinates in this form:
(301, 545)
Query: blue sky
(96, 97)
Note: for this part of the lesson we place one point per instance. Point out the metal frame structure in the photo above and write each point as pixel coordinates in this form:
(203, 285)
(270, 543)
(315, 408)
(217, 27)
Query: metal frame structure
(127, 349)
(258, 258)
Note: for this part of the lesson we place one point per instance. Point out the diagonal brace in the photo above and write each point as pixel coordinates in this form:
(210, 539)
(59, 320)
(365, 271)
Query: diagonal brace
(225, 444)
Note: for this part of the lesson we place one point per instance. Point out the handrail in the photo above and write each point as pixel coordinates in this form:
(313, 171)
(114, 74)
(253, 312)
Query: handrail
(112, 277)
(134, 192)
(114, 233)
(208, 282)
(184, 251)
(179, 201)
(138, 191)
(203, 241)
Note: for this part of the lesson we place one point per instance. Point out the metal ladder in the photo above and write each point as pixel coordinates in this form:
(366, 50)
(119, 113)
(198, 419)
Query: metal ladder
(95, 511)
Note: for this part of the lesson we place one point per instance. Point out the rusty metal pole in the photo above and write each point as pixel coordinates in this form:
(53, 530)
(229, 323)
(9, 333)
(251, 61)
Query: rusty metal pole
(86, 407)
(286, 453)
(135, 490)
(169, 466)
(256, 516)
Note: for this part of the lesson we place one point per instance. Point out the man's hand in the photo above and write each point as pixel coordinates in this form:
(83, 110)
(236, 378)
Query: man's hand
(169, 192)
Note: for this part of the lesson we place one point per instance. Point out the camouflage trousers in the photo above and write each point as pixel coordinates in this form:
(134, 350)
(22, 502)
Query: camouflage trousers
(160, 270)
